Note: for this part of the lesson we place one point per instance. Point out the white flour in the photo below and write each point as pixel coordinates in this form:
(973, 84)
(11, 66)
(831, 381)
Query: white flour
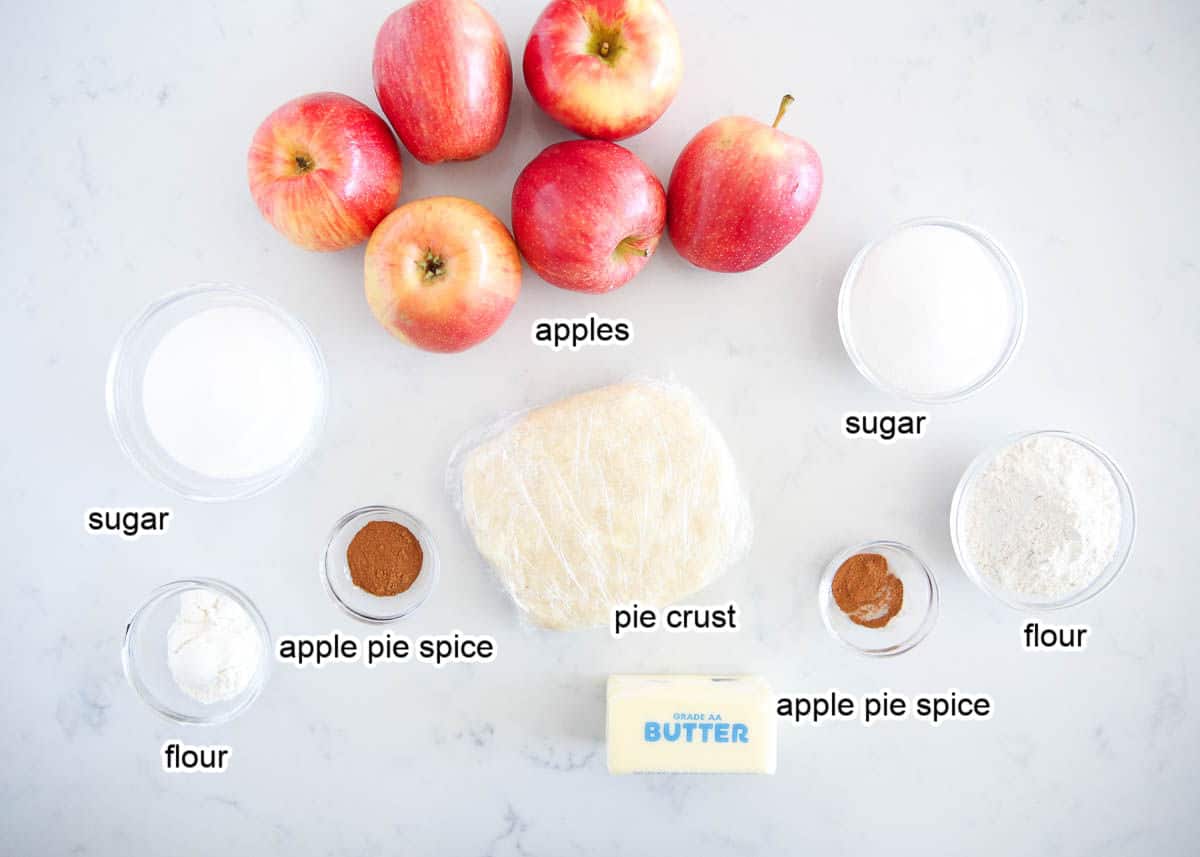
(1043, 519)
(213, 646)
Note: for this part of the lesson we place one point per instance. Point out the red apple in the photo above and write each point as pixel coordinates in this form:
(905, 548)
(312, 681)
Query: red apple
(740, 192)
(324, 170)
(442, 273)
(604, 68)
(444, 79)
(587, 214)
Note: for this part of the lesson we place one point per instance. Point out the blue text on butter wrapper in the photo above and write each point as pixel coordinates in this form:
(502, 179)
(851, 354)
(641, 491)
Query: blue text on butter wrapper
(697, 733)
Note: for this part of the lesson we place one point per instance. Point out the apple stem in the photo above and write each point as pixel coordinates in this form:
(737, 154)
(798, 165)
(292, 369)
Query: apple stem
(304, 164)
(783, 108)
(627, 245)
(604, 37)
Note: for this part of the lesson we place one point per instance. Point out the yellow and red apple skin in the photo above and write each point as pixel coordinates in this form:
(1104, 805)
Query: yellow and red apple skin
(443, 76)
(324, 169)
(604, 98)
(477, 281)
(587, 215)
(740, 191)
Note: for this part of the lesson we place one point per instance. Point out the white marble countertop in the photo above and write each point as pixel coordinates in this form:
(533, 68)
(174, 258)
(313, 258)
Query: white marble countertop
(1070, 130)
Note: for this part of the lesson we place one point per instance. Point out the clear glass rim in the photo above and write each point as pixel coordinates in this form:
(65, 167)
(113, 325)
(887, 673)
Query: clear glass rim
(932, 606)
(1016, 289)
(1102, 581)
(252, 691)
(431, 565)
(114, 402)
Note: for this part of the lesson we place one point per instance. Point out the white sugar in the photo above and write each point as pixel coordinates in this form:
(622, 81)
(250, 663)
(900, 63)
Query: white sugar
(930, 313)
(231, 392)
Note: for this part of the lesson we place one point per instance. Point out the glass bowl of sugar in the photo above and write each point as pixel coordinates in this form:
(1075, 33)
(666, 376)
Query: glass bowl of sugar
(197, 651)
(1043, 520)
(216, 393)
(933, 311)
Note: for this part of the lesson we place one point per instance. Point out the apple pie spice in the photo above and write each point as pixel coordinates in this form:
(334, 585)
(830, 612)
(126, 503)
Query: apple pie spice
(385, 558)
(867, 591)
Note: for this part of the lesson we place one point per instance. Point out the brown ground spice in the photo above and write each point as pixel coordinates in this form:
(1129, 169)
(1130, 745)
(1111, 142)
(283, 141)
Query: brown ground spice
(866, 591)
(385, 558)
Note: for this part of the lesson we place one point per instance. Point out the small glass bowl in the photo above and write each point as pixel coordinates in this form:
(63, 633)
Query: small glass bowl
(126, 374)
(362, 605)
(911, 625)
(144, 656)
(1016, 600)
(1012, 279)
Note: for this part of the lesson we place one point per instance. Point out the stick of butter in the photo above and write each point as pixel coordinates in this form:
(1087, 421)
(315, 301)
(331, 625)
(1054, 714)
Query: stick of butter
(690, 723)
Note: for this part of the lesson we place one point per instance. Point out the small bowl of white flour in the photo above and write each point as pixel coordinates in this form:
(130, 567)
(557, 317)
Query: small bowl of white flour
(197, 651)
(1043, 520)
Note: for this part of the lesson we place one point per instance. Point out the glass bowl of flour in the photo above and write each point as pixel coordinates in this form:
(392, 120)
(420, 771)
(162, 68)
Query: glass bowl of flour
(216, 393)
(933, 311)
(1043, 520)
(197, 651)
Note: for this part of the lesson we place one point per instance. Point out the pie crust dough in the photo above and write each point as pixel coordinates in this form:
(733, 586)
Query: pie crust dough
(621, 494)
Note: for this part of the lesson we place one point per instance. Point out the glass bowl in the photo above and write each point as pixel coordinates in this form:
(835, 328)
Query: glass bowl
(126, 375)
(1008, 271)
(918, 614)
(362, 605)
(1016, 600)
(144, 656)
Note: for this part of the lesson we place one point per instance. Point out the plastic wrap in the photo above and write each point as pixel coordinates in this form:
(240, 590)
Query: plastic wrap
(624, 493)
